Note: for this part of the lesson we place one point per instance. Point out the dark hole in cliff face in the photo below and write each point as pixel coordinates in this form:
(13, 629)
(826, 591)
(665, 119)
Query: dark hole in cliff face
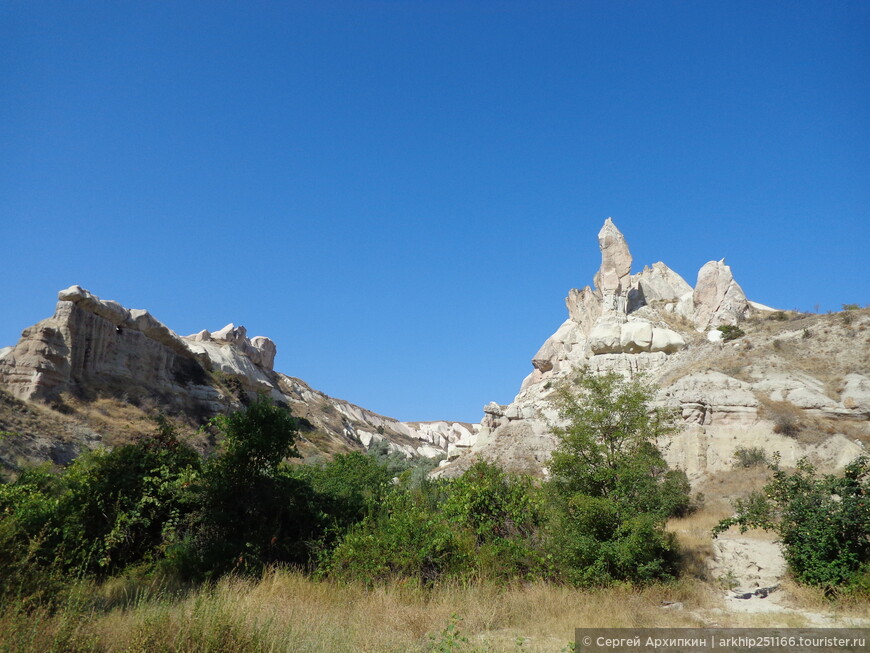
(187, 371)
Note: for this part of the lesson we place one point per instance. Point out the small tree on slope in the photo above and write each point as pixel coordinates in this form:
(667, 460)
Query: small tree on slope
(610, 486)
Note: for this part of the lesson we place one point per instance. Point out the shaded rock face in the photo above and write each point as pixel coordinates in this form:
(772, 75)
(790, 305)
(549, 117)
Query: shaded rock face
(660, 285)
(90, 346)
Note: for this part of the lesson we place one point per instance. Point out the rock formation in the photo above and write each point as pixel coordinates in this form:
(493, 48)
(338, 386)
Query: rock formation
(94, 348)
(613, 277)
(717, 298)
(799, 385)
(648, 323)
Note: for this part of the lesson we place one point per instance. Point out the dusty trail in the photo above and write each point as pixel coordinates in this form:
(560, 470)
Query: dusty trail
(753, 571)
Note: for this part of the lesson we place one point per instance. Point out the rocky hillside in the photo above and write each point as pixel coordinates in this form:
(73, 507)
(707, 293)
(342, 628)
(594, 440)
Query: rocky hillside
(780, 381)
(794, 383)
(94, 371)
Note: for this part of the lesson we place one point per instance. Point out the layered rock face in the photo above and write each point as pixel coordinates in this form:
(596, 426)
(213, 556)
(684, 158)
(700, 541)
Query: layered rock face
(93, 348)
(90, 343)
(653, 323)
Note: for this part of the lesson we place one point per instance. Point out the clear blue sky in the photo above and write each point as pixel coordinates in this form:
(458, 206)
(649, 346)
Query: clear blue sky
(400, 194)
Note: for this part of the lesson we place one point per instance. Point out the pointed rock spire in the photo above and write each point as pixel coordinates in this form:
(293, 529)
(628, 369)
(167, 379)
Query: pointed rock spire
(614, 276)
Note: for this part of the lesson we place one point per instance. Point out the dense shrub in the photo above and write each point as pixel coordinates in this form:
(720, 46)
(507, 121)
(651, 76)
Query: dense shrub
(731, 332)
(504, 512)
(611, 488)
(252, 511)
(823, 522)
(108, 510)
(485, 523)
(345, 490)
(407, 538)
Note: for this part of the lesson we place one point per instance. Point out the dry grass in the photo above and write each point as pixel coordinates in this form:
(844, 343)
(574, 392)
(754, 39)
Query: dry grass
(805, 597)
(117, 421)
(286, 611)
(822, 346)
(694, 534)
(120, 422)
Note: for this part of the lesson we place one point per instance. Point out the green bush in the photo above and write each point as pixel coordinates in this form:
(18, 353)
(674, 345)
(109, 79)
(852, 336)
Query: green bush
(611, 490)
(823, 523)
(731, 332)
(408, 538)
(108, 510)
(345, 489)
(504, 512)
(597, 543)
(749, 457)
(492, 503)
(485, 523)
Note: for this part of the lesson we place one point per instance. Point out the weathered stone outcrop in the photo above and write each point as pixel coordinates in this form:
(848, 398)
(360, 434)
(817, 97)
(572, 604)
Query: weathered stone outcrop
(726, 393)
(89, 344)
(856, 393)
(711, 397)
(613, 277)
(718, 298)
(659, 285)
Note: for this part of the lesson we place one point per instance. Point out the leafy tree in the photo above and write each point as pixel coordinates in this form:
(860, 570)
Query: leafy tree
(253, 511)
(348, 488)
(610, 487)
(608, 447)
(823, 522)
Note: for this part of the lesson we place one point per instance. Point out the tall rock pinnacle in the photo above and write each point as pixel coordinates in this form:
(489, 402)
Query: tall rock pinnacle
(614, 276)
